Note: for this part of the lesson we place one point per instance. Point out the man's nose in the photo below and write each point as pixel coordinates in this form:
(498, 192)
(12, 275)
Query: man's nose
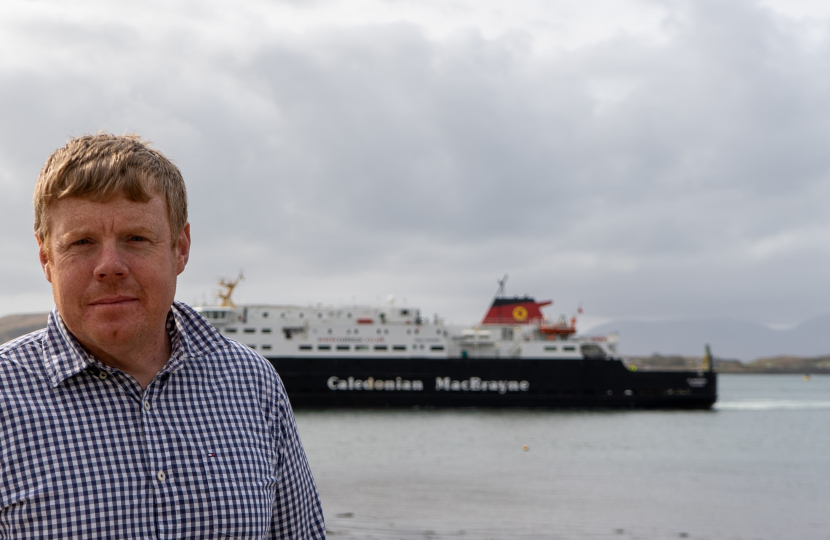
(110, 262)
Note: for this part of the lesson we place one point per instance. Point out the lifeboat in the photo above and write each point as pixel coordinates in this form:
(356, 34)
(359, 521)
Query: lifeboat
(562, 328)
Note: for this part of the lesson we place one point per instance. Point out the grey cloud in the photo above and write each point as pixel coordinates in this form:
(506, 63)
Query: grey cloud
(632, 174)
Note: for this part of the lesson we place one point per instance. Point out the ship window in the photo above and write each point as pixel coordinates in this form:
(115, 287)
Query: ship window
(329, 330)
(266, 347)
(250, 330)
(302, 315)
(550, 348)
(355, 331)
(349, 315)
(264, 314)
(438, 331)
(399, 348)
(568, 348)
(230, 330)
(385, 330)
(408, 331)
(305, 347)
(266, 330)
(342, 347)
(404, 312)
(251, 346)
(323, 347)
(378, 330)
(380, 347)
(361, 347)
(592, 350)
(319, 315)
(282, 314)
(291, 330)
(437, 348)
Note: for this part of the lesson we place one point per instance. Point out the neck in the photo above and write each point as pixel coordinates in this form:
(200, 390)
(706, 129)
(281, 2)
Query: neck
(142, 363)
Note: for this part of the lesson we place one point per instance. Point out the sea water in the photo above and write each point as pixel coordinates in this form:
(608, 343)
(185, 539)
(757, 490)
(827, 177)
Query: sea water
(755, 467)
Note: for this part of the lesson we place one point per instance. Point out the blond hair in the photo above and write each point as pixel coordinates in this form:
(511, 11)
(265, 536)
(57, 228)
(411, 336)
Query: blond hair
(103, 166)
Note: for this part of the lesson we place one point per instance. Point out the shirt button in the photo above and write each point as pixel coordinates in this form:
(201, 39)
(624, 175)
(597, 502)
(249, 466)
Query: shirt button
(161, 476)
(102, 375)
(147, 406)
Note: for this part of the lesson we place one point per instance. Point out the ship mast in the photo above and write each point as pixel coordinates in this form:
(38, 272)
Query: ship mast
(501, 282)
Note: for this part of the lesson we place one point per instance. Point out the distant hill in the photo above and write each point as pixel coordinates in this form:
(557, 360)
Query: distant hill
(729, 338)
(776, 364)
(12, 326)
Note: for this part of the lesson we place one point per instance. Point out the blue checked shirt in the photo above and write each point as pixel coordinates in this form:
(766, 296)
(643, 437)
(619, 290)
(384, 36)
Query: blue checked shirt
(208, 450)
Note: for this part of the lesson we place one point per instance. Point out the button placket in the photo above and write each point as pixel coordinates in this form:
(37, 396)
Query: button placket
(155, 450)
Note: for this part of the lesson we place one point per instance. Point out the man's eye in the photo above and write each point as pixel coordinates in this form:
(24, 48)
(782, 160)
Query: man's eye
(80, 242)
(136, 238)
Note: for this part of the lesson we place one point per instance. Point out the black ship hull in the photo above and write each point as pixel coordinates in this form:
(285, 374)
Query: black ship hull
(469, 382)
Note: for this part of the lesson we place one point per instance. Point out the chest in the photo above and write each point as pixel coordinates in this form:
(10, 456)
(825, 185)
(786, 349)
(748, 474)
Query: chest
(181, 457)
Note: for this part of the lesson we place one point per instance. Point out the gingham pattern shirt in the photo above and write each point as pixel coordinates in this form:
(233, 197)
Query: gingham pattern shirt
(208, 450)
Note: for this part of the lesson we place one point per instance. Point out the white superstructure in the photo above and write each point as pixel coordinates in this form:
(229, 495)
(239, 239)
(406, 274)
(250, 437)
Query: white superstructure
(391, 331)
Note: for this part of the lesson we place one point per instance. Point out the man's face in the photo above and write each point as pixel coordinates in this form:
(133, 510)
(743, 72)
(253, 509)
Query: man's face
(113, 270)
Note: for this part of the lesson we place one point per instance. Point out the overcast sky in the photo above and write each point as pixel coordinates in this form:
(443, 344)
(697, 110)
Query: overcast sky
(653, 160)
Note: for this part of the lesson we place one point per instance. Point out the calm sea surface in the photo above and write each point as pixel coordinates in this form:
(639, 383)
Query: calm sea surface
(756, 467)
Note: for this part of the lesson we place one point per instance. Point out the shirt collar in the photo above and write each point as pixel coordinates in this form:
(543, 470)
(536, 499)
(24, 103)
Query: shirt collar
(63, 356)
(190, 336)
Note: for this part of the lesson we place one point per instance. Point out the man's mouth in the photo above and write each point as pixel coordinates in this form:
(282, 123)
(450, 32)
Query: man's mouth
(111, 300)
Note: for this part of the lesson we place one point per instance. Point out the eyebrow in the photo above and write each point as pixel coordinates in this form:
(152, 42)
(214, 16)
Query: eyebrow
(138, 230)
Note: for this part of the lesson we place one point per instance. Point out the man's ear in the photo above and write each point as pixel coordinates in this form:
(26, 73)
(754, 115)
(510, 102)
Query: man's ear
(183, 249)
(44, 259)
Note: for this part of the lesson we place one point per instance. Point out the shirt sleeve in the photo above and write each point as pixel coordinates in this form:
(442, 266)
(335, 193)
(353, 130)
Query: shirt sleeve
(297, 512)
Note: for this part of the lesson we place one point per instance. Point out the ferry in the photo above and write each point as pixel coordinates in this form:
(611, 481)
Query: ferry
(391, 356)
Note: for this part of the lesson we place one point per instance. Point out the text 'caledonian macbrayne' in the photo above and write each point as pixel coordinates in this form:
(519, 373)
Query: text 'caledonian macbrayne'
(473, 384)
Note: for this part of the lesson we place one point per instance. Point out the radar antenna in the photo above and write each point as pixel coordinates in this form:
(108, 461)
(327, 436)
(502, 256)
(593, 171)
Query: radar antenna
(501, 282)
(229, 286)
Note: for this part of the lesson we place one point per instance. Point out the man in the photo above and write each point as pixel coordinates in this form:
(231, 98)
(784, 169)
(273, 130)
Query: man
(129, 416)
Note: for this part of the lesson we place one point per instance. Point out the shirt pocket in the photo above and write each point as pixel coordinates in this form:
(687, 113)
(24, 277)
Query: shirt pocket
(242, 487)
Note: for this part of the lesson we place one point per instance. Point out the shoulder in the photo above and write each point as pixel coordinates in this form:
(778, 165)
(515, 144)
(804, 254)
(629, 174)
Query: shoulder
(22, 355)
(225, 361)
(247, 364)
(10, 347)
(24, 381)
